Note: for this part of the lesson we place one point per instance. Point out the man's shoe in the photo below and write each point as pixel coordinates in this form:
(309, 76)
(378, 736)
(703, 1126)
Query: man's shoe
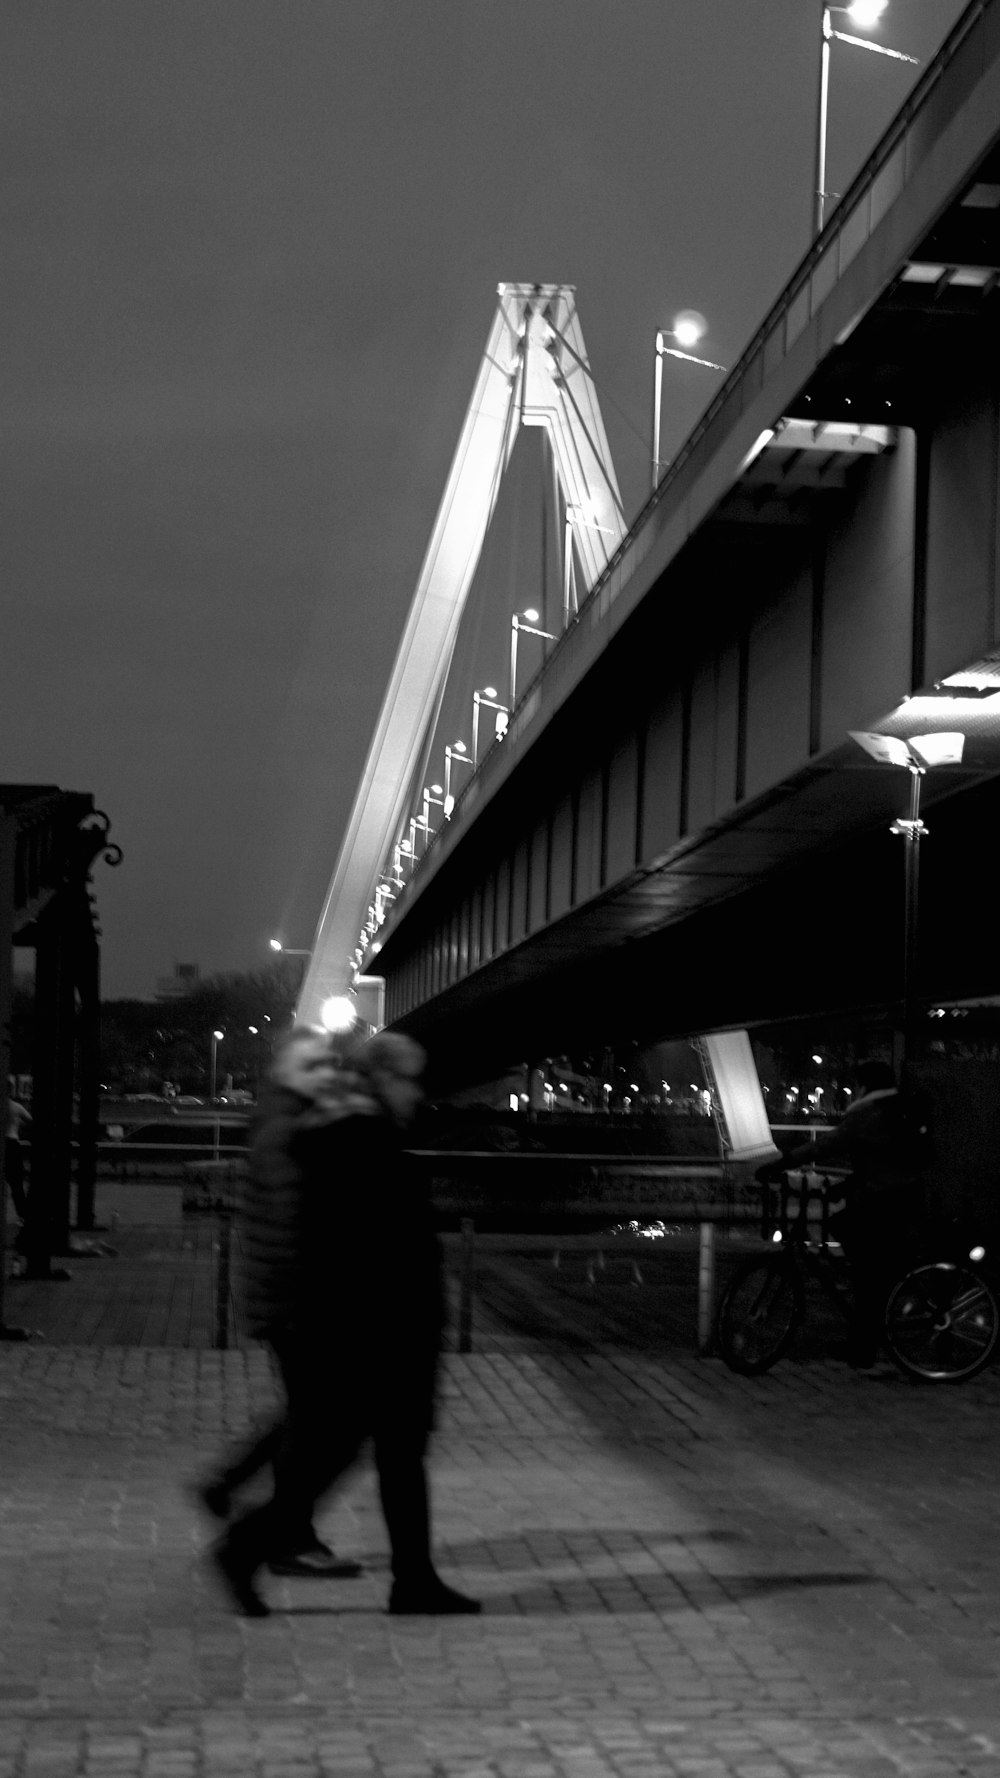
(430, 1599)
(237, 1578)
(319, 1562)
(214, 1497)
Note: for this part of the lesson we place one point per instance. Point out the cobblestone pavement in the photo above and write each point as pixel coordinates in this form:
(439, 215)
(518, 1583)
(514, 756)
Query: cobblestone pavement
(683, 1573)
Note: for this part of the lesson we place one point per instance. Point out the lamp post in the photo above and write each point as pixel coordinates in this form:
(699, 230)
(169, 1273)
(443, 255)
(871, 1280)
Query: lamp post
(917, 755)
(523, 623)
(687, 330)
(459, 754)
(217, 1037)
(864, 13)
(286, 950)
(487, 698)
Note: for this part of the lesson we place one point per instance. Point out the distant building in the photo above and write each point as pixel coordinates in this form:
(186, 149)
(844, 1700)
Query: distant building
(173, 987)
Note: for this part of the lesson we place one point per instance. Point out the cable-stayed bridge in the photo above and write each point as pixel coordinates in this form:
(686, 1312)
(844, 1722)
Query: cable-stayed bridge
(675, 828)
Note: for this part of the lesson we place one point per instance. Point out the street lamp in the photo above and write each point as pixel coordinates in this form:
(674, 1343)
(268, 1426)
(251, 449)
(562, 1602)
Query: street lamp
(459, 753)
(217, 1037)
(864, 13)
(487, 697)
(917, 755)
(522, 623)
(286, 950)
(687, 330)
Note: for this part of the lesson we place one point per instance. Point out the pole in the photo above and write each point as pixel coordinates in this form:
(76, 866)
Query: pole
(215, 1113)
(912, 830)
(8, 859)
(466, 1274)
(657, 396)
(706, 1284)
(513, 660)
(824, 97)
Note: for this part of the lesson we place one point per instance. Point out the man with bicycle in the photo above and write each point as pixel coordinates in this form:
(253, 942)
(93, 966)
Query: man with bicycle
(880, 1139)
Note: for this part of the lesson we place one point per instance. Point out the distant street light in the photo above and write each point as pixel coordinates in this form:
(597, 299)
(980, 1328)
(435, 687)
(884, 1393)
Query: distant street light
(688, 328)
(487, 699)
(917, 755)
(522, 623)
(286, 950)
(865, 13)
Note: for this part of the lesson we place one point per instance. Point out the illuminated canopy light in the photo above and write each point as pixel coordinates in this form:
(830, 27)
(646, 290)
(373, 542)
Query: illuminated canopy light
(942, 749)
(338, 1014)
(938, 750)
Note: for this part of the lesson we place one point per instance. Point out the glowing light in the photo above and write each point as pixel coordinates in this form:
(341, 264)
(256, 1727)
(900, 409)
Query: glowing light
(938, 750)
(531, 614)
(977, 1253)
(867, 12)
(817, 1058)
(338, 1014)
(489, 691)
(275, 944)
(689, 327)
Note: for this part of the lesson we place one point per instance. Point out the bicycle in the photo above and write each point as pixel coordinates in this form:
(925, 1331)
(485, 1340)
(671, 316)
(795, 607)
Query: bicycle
(941, 1322)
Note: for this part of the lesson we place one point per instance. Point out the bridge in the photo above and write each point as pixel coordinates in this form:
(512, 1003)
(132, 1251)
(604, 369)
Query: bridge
(676, 828)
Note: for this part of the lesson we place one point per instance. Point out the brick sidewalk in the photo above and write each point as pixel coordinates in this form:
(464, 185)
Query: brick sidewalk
(683, 1573)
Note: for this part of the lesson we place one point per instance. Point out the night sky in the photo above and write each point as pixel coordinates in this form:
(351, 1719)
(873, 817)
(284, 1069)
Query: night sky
(252, 248)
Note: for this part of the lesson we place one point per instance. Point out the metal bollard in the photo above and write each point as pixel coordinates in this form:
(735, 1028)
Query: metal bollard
(706, 1284)
(466, 1277)
(222, 1279)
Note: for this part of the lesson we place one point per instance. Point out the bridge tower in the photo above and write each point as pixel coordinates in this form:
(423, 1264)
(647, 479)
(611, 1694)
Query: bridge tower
(534, 372)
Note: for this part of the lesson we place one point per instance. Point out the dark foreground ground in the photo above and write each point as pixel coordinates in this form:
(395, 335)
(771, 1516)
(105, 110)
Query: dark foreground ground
(683, 1572)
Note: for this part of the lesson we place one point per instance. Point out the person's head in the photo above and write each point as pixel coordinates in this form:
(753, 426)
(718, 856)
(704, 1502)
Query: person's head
(306, 1062)
(392, 1067)
(874, 1077)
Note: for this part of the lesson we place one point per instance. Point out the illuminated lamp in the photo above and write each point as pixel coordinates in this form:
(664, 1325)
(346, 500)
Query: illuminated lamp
(338, 1014)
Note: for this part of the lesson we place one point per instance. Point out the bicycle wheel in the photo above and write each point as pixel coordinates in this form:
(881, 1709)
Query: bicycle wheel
(942, 1323)
(760, 1310)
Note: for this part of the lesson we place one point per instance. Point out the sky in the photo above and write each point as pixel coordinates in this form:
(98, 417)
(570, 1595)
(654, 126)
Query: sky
(252, 250)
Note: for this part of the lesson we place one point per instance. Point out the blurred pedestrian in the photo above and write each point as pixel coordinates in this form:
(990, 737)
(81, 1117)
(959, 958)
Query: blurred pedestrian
(360, 1355)
(310, 1086)
(13, 1156)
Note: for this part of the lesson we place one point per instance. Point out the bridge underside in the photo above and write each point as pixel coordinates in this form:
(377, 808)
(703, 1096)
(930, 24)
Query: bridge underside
(820, 938)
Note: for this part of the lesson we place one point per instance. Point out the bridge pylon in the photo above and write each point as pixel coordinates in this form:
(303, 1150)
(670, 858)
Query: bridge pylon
(534, 372)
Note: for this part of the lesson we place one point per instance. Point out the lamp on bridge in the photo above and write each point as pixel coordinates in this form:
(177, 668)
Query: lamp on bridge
(286, 951)
(864, 13)
(522, 623)
(487, 698)
(688, 328)
(459, 753)
(433, 798)
(917, 756)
